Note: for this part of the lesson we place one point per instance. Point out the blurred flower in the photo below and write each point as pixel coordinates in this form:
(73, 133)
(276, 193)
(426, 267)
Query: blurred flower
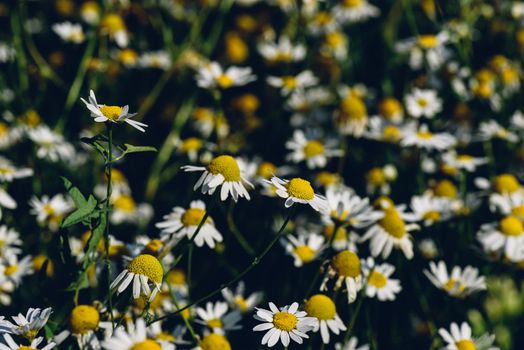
(459, 338)
(460, 284)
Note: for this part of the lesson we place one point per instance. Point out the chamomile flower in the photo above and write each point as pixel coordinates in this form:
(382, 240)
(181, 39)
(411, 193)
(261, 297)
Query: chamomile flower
(238, 301)
(504, 237)
(282, 51)
(464, 162)
(345, 267)
(8, 172)
(27, 326)
(90, 12)
(221, 171)
(423, 103)
(142, 271)
(155, 59)
(50, 211)
(461, 283)
(324, 310)
(69, 32)
(213, 76)
(351, 116)
(491, 129)
(6, 201)
(354, 11)
(10, 344)
(423, 138)
(213, 341)
(425, 48)
(217, 318)
(182, 223)
(290, 83)
(379, 284)
(51, 146)
(429, 209)
(298, 190)
(460, 338)
(304, 248)
(126, 210)
(114, 114)
(10, 243)
(313, 151)
(134, 338)
(16, 269)
(113, 25)
(351, 345)
(284, 324)
(390, 232)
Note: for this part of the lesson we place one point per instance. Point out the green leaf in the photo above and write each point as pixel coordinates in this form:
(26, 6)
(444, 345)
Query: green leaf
(75, 193)
(96, 236)
(81, 213)
(135, 149)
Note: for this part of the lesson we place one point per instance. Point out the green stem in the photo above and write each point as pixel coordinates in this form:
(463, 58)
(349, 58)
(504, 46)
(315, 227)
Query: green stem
(109, 191)
(241, 275)
(189, 269)
(236, 233)
(23, 78)
(355, 314)
(186, 321)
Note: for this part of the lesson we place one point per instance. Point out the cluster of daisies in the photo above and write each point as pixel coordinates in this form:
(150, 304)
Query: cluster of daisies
(276, 143)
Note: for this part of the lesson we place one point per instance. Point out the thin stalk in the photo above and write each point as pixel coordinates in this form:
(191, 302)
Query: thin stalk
(186, 321)
(241, 275)
(236, 233)
(355, 314)
(109, 190)
(21, 60)
(189, 269)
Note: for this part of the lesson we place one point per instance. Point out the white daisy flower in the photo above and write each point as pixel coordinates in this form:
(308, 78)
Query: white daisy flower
(16, 269)
(298, 190)
(10, 344)
(428, 248)
(423, 138)
(217, 318)
(425, 48)
(69, 32)
(134, 338)
(324, 310)
(379, 284)
(29, 325)
(51, 145)
(346, 268)
(352, 344)
(504, 237)
(322, 22)
(237, 300)
(126, 210)
(380, 129)
(141, 271)
(282, 51)
(155, 59)
(221, 171)
(304, 248)
(493, 130)
(8, 172)
(182, 223)
(460, 283)
(284, 324)
(50, 211)
(460, 338)
(213, 76)
(305, 103)
(463, 161)
(423, 103)
(10, 243)
(354, 11)
(429, 209)
(314, 152)
(6, 201)
(291, 83)
(213, 341)
(90, 12)
(113, 25)
(507, 204)
(351, 116)
(114, 114)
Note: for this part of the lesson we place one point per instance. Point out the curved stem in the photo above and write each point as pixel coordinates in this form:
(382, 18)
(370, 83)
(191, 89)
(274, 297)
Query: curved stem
(355, 314)
(236, 232)
(109, 191)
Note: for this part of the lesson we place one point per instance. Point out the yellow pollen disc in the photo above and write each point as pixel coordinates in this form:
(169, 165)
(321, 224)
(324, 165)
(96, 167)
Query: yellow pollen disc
(431, 215)
(192, 216)
(305, 253)
(353, 109)
(113, 23)
(383, 202)
(24, 347)
(352, 3)
(153, 247)
(226, 166)
(225, 81)
(289, 82)
(427, 41)
(4, 129)
(48, 209)
(426, 135)
(321, 307)
(111, 112)
(166, 336)
(38, 264)
(506, 183)
(176, 277)
(191, 144)
(422, 102)
(128, 56)
(215, 323)
(389, 108)
(215, 341)
(341, 234)
(300, 188)
(391, 133)
(266, 170)
(148, 344)
(125, 203)
(393, 223)
(84, 318)
(313, 148)
(464, 158)
(335, 39)
(241, 303)
(323, 18)
(446, 189)
(511, 226)
(465, 344)
(326, 178)
(377, 280)
(452, 284)
(346, 264)
(285, 321)
(376, 177)
(148, 266)
(10, 269)
(518, 212)
(282, 57)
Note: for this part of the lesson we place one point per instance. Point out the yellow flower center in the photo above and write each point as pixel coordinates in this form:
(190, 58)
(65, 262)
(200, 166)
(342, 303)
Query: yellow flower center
(10, 269)
(226, 166)
(353, 109)
(446, 189)
(393, 223)
(192, 216)
(113, 23)
(327, 178)
(506, 183)
(24, 347)
(511, 226)
(225, 81)
(431, 215)
(125, 203)
(424, 134)
(466, 344)
(321, 307)
(215, 341)
(215, 323)
(285, 321)
(305, 253)
(38, 264)
(111, 112)
(377, 280)
(282, 56)
(166, 336)
(335, 39)
(266, 169)
(346, 264)
(455, 285)
(153, 247)
(176, 277)
(427, 41)
(422, 102)
(464, 158)
(518, 212)
(147, 265)
(4, 129)
(391, 133)
(313, 148)
(322, 18)
(289, 82)
(241, 303)
(376, 177)
(300, 188)
(84, 318)
(352, 3)
(191, 144)
(341, 234)
(389, 107)
(148, 344)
